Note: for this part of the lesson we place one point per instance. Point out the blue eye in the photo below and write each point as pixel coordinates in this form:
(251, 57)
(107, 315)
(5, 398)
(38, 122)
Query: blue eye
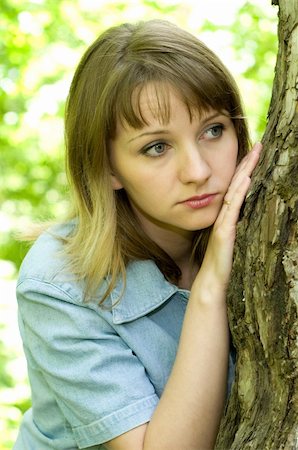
(155, 150)
(214, 132)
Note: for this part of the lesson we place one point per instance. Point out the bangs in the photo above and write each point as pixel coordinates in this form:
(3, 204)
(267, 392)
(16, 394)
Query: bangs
(198, 96)
(200, 86)
(129, 109)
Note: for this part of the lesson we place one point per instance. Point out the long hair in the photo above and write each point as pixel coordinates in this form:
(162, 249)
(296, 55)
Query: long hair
(120, 63)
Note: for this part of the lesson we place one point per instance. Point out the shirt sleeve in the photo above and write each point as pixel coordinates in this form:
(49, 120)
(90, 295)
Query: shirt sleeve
(98, 383)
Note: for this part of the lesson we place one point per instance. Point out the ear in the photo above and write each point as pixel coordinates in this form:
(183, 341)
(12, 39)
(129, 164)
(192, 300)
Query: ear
(116, 183)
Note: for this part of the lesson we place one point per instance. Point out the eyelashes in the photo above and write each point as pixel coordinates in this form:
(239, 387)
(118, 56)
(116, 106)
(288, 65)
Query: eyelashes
(155, 149)
(215, 131)
(159, 148)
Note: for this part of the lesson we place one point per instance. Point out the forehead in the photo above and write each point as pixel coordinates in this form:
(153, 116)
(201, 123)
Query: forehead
(158, 102)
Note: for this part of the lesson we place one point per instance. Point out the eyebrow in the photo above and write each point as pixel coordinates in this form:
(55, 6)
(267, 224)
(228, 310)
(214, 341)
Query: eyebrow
(164, 131)
(149, 133)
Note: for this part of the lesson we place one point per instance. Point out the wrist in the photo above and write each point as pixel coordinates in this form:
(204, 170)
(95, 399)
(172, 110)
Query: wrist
(209, 286)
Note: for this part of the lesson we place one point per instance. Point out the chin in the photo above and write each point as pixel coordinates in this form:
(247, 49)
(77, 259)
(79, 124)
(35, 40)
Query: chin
(202, 225)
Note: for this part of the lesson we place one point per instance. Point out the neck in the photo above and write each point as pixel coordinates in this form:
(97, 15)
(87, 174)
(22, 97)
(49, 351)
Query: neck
(188, 276)
(180, 251)
(178, 245)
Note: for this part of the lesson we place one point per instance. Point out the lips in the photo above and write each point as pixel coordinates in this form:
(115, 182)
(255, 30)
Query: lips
(199, 201)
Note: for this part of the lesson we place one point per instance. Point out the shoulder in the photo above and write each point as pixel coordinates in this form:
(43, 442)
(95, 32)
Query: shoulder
(46, 264)
(46, 257)
(45, 273)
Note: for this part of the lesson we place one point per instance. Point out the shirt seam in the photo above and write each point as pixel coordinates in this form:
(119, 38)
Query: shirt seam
(48, 284)
(116, 423)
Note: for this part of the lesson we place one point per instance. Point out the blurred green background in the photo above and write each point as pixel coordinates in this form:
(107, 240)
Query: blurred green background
(41, 42)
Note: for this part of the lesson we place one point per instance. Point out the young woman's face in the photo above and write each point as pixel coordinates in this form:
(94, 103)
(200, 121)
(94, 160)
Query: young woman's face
(175, 174)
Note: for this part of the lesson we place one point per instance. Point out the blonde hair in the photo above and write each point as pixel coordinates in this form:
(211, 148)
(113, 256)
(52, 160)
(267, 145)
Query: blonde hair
(117, 65)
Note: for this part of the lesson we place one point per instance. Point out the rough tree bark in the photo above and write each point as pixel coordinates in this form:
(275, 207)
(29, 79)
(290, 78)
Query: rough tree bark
(263, 296)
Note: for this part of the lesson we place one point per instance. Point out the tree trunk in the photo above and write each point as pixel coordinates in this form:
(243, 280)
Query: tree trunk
(262, 412)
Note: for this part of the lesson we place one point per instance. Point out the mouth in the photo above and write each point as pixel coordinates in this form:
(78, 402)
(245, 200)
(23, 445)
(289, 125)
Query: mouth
(199, 201)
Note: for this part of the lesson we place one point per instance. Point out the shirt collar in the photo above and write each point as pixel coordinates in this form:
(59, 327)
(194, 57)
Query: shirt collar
(145, 290)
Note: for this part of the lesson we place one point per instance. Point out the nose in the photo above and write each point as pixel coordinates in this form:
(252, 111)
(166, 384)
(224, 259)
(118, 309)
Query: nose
(193, 166)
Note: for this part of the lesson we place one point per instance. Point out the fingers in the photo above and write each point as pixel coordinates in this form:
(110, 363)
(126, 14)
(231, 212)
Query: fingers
(235, 198)
(244, 171)
(250, 161)
(221, 242)
(239, 186)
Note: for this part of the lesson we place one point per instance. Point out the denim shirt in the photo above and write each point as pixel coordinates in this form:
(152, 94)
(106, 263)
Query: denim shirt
(94, 372)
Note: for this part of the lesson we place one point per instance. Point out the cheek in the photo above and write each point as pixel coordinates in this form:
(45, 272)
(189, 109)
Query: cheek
(229, 162)
(132, 182)
(234, 153)
(232, 170)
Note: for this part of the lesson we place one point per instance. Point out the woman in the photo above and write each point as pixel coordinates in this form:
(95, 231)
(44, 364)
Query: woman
(122, 307)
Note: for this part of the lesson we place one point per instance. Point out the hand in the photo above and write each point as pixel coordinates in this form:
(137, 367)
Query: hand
(217, 263)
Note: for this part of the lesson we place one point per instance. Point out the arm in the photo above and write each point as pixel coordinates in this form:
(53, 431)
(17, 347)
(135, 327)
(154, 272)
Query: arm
(189, 412)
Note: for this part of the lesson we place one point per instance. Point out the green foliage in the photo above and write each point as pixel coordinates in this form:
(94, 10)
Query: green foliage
(254, 44)
(14, 392)
(41, 42)
(255, 39)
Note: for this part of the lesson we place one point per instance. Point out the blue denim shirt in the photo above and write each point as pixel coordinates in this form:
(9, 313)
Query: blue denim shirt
(94, 372)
